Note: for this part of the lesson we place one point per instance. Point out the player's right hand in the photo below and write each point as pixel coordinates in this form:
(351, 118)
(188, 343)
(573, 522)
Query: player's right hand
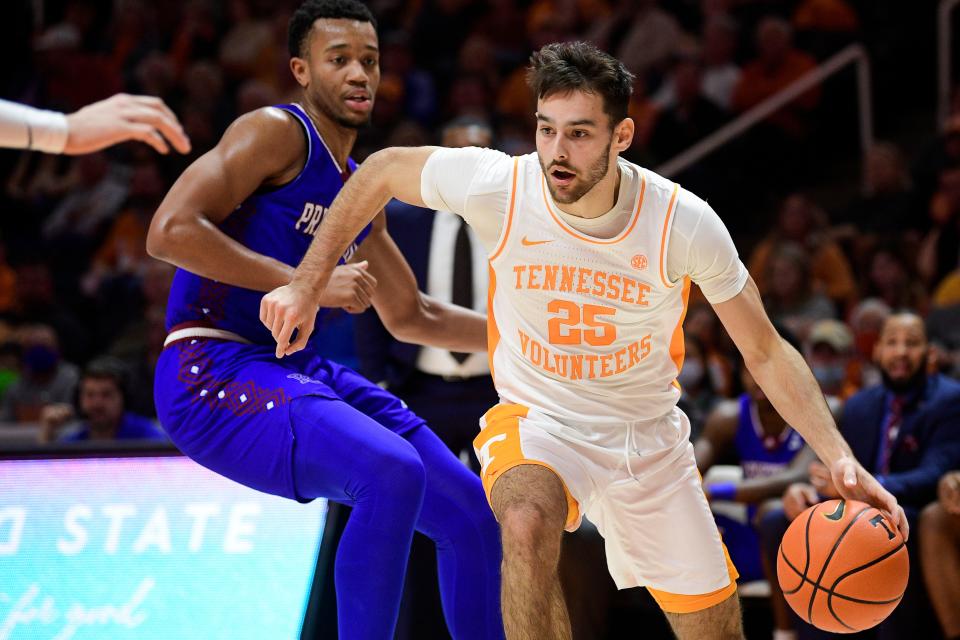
(797, 498)
(350, 288)
(124, 117)
(288, 308)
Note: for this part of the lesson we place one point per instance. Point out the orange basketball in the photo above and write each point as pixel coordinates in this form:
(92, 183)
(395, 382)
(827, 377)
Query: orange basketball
(843, 566)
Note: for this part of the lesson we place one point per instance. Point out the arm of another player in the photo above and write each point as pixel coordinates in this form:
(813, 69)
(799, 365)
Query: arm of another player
(265, 147)
(391, 173)
(754, 490)
(719, 431)
(261, 148)
(97, 126)
(787, 381)
(407, 313)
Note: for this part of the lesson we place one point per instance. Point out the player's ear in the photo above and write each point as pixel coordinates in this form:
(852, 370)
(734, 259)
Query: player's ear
(623, 134)
(300, 71)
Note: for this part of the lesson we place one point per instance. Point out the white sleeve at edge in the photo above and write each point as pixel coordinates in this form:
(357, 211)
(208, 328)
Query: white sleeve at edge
(701, 247)
(471, 182)
(48, 129)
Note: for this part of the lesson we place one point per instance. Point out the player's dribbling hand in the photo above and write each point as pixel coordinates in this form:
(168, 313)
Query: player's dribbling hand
(350, 288)
(854, 483)
(797, 498)
(288, 308)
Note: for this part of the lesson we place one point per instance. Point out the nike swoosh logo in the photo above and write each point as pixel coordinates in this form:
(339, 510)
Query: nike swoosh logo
(531, 243)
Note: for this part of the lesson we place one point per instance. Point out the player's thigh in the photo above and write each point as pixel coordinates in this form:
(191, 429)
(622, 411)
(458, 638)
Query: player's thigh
(366, 397)
(722, 621)
(526, 472)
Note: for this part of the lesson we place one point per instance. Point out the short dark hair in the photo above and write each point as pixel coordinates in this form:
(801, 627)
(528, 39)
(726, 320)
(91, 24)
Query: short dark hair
(562, 67)
(107, 368)
(312, 10)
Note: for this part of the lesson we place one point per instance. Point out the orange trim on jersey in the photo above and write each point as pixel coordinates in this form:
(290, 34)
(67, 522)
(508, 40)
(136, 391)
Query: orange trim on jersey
(677, 349)
(682, 603)
(493, 331)
(509, 221)
(663, 238)
(502, 427)
(579, 236)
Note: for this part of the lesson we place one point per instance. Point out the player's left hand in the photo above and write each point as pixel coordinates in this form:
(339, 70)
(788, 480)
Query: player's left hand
(854, 483)
(288, 308)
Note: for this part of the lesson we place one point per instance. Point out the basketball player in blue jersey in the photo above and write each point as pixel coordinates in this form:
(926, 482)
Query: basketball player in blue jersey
(235, 223)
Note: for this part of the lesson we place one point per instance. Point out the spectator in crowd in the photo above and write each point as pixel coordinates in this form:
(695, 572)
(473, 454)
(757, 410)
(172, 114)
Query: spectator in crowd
(720, 71)
(102, 407)
(891, 278)
(830, 354)
(903, 431)
(38, 302)
(641, 34)
(691, 117)
(698, 397)
(45, 377)
(800, 221)
(940, 553)
(866, 321)
(886, 209)
(703, 325)
(778, 64)
(824, 26)
(102, 189)
(790, 297)
(940, 249)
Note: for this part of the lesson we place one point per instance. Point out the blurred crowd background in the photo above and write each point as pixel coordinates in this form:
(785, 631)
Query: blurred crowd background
(836, 239)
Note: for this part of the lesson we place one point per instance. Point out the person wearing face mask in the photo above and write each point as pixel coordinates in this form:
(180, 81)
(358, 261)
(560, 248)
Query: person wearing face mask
(904, 431)
(698, 396)
(45, 378)
(829, 350)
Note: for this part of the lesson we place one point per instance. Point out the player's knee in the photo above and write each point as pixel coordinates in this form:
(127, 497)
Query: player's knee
(528, 526)
(403, 472)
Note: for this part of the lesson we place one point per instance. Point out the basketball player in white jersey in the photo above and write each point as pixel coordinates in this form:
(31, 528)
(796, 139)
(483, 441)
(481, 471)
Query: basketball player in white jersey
(591, 260)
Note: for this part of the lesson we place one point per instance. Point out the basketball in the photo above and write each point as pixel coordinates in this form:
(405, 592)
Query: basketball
(843, 566)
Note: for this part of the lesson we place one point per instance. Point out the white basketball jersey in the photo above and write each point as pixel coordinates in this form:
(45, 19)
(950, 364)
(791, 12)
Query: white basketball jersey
(585, 329)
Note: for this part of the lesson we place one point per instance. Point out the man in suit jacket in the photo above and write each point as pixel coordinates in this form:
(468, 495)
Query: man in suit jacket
(905, 431)
(448, 390)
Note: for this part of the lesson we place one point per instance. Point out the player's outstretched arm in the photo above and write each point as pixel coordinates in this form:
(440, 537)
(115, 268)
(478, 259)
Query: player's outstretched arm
(409, 314)
(261, 148)
(387, 174)
(97, 126)
(787, 381)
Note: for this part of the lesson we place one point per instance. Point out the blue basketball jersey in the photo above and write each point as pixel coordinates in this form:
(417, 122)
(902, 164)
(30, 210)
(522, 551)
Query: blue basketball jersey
(760, 455)
(276, 222)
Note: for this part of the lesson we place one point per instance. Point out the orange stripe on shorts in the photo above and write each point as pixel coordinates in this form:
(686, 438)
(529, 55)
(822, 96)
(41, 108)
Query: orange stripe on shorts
(499, 449)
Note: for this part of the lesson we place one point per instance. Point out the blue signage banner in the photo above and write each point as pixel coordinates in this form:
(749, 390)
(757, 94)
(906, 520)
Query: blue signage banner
(149, 548)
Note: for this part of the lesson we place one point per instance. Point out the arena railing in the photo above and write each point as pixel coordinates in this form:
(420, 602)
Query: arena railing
(944, 53)
(854, 54)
